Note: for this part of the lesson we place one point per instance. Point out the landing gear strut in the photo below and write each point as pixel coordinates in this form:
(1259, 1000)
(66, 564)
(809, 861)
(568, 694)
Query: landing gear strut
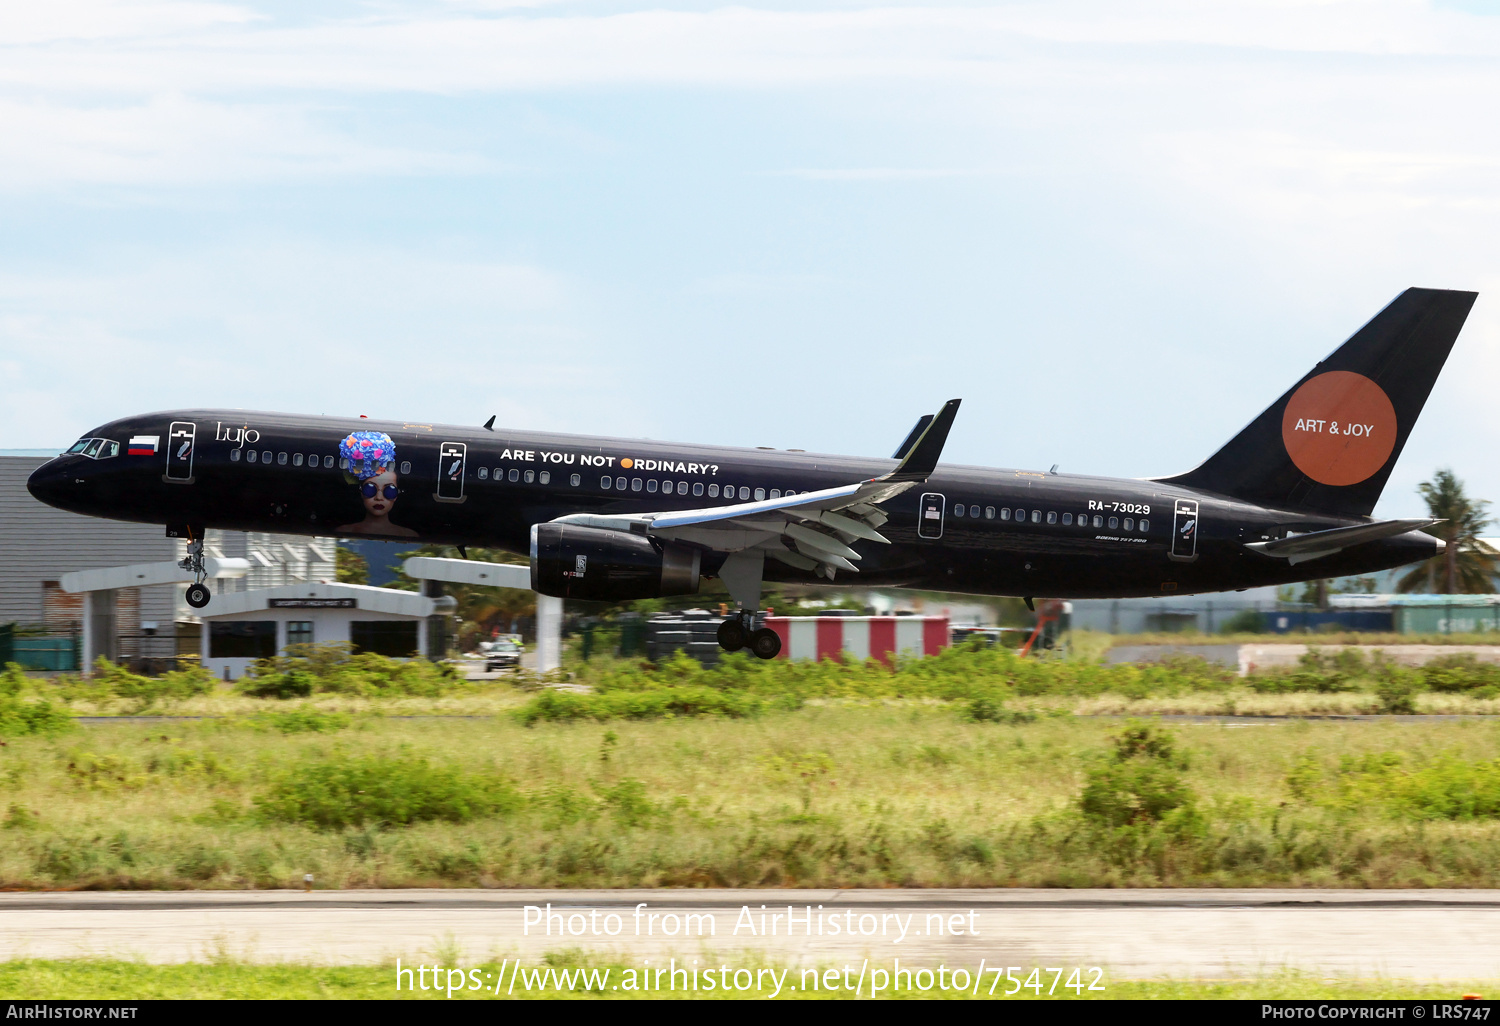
(197, 593)
(739, 631)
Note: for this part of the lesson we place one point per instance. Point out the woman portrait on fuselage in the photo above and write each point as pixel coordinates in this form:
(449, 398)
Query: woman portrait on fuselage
(371, 457)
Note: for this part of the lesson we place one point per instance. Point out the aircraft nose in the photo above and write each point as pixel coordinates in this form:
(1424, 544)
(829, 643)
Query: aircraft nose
(50, 483)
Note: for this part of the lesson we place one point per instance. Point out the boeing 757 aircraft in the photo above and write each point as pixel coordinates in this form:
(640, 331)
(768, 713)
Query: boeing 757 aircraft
(1287, 499)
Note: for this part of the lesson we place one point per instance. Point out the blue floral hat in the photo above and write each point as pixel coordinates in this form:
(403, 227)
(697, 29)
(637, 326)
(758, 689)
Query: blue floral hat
(370, 453)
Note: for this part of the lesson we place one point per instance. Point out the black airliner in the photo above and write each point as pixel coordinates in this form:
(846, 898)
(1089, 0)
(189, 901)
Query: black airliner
(1287, 499)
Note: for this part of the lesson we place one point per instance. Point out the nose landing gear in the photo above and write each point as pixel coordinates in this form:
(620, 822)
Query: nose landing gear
(198, 594)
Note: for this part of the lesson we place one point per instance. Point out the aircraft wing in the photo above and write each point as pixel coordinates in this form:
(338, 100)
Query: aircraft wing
(811, 530)
(1300, 548)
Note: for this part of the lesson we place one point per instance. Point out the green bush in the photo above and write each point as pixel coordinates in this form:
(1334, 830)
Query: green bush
(568, 706)
(1122, 793)
(1140, 783)
(20, 715)
(332, 668)
(120, 682)
(958, 673)
(1397, 693)
(1444, 788)
(291, 684)
(343, 791)
(1461, 673)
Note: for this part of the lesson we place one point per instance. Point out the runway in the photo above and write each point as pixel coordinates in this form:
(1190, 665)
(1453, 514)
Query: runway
(1130, 934)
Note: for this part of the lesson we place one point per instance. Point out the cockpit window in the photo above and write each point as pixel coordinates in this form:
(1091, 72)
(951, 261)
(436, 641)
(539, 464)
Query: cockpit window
(95, 448)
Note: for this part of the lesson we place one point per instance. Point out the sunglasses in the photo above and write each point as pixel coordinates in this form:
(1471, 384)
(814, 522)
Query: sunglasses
(367, 489)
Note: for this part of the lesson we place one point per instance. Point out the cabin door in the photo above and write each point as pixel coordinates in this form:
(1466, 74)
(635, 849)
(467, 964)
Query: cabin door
(930, 516)
(450, 483)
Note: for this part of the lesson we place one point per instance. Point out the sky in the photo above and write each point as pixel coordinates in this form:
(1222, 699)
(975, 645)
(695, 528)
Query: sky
(1118, 230)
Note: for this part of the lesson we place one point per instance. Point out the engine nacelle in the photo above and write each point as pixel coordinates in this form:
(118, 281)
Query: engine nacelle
(568, 561)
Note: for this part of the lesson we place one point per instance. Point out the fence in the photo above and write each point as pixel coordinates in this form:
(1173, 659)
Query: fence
(36, 651)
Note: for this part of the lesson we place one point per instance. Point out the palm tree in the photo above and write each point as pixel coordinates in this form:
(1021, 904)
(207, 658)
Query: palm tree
(1468, 564)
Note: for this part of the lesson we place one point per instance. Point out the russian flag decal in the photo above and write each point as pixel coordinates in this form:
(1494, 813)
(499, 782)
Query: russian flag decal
(143, 445)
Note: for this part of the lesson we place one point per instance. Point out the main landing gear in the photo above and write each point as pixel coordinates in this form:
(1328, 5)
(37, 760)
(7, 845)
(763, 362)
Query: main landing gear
(739, 631)
(197, 593)
(741, 574)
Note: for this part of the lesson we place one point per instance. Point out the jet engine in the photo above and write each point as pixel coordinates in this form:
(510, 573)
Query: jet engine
(568, 561)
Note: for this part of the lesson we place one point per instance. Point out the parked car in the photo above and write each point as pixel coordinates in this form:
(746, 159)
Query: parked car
(502, 655)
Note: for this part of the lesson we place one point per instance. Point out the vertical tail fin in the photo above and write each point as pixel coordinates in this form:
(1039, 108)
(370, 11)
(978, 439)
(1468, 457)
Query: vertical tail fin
(1328, 444)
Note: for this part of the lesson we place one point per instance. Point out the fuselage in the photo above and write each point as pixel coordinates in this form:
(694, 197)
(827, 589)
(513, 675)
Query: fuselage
(974, 530)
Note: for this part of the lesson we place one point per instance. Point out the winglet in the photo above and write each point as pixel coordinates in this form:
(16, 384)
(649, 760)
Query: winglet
(911, 439)
(921, 459)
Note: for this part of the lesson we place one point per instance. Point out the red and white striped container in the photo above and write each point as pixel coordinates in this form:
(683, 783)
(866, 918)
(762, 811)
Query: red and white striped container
(859, 637)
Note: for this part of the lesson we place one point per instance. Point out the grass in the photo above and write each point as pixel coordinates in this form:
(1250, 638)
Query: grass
(122, 980)
(844, 792)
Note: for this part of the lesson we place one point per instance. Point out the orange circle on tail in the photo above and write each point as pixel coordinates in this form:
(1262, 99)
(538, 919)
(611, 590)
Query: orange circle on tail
(1339, 428)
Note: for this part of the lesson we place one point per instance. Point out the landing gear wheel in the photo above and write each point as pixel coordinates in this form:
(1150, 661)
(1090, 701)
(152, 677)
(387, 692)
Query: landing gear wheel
(732, 635)
(765, 643)
(198, 595)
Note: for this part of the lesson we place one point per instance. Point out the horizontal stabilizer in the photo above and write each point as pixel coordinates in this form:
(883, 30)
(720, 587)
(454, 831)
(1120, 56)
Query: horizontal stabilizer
(1300, 548)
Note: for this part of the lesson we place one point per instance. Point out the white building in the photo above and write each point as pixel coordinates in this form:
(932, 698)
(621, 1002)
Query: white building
(243, 626)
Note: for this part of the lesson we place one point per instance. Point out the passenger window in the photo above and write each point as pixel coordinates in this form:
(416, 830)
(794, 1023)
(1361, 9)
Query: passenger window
(989, 512)
(1114, 522)
(1067, 519)
(1051, 516)
(760, 494)
(574, 480)
(713, 491)
(958, 510)
(250, 456)
(1145, 525)
(406, 466)
(484, 473)
(1004, 514)
(545, 477)
(604, 483)
(296, 459)
(635, 484)
(530, 476)
(682, 487)
(1098, 521)
(697, 487)
(328, 462)
(744, 493)
(1129, 524)
(234, 455)
(651, 485)
(775, 493)
(1036, 516)
(281, 459)
(265, 457)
